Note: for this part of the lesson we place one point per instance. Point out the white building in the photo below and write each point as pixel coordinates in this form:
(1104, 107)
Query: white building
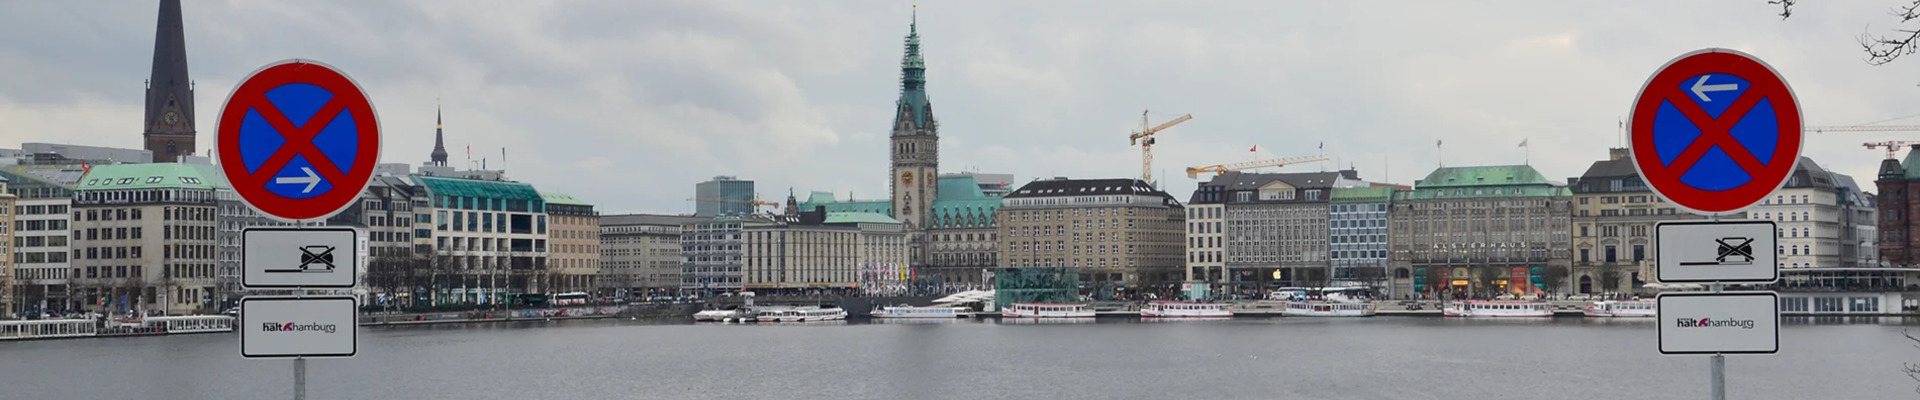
(42, 274)
(1821, 218)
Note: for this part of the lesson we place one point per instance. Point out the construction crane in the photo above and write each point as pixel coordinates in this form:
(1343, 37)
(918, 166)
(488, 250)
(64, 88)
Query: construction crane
(1892, 146)
(1145, 140)
(1861, 128)
(1194, 172)
(756, 201)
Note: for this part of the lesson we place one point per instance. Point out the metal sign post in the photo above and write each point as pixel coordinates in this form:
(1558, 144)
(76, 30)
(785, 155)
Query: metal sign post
(298, 140)
(1714, 131)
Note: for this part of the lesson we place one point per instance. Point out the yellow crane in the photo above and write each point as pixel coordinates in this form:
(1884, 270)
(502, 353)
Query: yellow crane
(1145, 140)
(756, 201)
(1194, 172)
(1892, 146)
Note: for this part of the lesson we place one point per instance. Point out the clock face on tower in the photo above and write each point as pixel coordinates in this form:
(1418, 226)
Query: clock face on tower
(906, 178)
(172, 118)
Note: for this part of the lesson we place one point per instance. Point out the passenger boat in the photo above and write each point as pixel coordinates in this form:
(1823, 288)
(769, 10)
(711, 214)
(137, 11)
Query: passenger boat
(1169, 309)
(733, 315)
(149, 326)
(1046, 310)
(800, 314)
(1328, 309)
(1498, 309)
(1623, 309)
(948, 312)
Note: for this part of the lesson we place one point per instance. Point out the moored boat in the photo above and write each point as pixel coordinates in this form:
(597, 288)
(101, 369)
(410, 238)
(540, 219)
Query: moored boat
(1170, 309)
(903, 311)
(1328, 309)
(1623, 309)
(1046, 310)
(1498, 309)
(800, 314)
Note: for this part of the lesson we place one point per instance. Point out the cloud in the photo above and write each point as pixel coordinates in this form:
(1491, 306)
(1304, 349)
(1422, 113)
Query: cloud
(628, 104)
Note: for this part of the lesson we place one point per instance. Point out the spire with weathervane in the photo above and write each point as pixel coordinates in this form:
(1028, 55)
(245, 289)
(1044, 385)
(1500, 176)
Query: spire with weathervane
(915, 140)
(439, 139)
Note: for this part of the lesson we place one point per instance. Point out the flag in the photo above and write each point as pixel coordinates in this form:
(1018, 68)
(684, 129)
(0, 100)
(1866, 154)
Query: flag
(1255, 149)
(469, 155)
(1436, 143)
(1523, 142)
(503, 154)
(1323, 145)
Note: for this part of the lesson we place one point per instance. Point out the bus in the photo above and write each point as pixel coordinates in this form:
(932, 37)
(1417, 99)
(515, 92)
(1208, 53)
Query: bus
(569, 298)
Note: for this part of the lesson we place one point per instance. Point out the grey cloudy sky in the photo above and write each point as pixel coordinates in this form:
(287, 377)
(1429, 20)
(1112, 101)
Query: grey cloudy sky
(627, 104)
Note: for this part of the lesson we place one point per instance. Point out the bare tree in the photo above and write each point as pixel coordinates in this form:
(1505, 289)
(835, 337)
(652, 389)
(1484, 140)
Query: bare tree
(1554, 277)
(1880, 48)
(1610, 280)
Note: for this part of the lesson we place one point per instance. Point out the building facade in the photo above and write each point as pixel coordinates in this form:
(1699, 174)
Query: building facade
(144, 238)
(489, 240)
(961, 236)
(724, 195)
(1614, 213)
(42, 214)
(640, 253)
(809, 250)
(710, 252)
(1357, 246)
(1276, 228)
(169, 111)
(1817, 212)
(574, 251)
(1112, 231)
(1206, 233)
(10, 302)
(1479, 231)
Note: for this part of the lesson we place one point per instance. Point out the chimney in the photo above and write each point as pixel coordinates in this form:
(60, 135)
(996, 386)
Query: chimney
(1618, 153)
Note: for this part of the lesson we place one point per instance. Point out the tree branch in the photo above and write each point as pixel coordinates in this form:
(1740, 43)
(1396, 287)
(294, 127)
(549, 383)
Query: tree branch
(1883, 49)
(1786, 7)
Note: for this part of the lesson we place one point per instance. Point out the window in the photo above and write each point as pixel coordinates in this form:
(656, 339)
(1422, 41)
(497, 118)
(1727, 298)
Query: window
(1610, 255)
(1639, 252)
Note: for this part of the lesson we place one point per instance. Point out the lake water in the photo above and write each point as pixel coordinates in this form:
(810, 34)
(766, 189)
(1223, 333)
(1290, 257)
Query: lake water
(1371, 358)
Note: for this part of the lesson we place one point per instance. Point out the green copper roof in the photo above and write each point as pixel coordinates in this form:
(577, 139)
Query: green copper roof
(562, 199)
(1500, 181)
(1481, 176)
(858, 217)
(478, 188)
(913, 82)
(1912, 164)
(1361, 195)
(960, 204)
(151, 176)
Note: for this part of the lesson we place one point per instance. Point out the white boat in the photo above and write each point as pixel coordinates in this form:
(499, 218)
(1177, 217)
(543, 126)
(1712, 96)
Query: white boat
(1498, 309)
(722, 315)
(1046, 310)
(800, 314)
(948, 312)
(1169, 309)
(1623, 309)
(1319, 308)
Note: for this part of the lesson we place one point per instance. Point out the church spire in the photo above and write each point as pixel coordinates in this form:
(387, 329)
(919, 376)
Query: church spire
(913, 106)
(169, 130)
(439, 139)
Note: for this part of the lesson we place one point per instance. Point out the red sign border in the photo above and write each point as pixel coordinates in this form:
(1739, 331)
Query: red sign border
(251, 188)
(1765, 81)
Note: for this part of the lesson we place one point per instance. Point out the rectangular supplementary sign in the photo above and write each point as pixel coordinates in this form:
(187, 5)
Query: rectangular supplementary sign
(308, 326)
(299, 257)
(1716, 251)
(1719, 323)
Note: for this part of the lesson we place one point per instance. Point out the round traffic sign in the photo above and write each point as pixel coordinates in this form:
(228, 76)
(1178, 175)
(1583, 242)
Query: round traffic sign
(1715, 131)
(298, 140)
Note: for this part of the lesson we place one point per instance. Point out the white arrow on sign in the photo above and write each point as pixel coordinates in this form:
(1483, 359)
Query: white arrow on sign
(311, 179)
(1700, 87)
